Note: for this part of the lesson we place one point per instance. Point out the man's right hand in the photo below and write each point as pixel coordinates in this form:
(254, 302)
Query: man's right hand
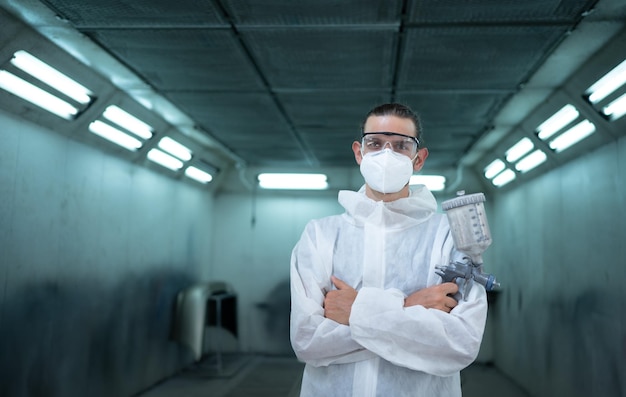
(338, 303)
(436, 297)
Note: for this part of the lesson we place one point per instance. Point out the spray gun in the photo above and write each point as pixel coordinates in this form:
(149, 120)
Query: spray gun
(470, 231)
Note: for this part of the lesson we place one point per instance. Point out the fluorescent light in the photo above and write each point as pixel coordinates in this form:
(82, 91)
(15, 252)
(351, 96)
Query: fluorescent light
(434, 183)
(55, 79)
(36, 95)
(518, 150)
(114, 135)
(503, 178)
(557, 121)
(175, 148)
(198, 175)
(615, 109)
(494, 168)
(531, 161)
(293, 181)
(128, 121)
(575, 134)
(165, 159)
(608, 83)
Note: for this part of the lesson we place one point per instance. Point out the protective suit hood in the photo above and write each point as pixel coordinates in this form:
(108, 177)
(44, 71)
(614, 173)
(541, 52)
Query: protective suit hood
(398, 214)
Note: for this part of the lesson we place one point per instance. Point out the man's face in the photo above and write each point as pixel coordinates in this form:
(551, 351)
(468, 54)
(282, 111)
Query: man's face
(393, 124)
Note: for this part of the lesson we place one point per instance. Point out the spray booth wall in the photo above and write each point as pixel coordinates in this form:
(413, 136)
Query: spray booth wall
(93, 251)
(558, 249)
(253, 240)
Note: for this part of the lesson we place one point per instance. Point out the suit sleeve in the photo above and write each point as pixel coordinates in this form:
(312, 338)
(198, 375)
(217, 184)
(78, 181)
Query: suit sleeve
(421, 339)
(315, 339)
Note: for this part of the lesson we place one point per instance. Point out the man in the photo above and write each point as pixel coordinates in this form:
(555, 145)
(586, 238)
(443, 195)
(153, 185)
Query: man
(370, 316)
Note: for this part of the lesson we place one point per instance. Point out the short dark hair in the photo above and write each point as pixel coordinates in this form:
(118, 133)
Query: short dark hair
(398, 110)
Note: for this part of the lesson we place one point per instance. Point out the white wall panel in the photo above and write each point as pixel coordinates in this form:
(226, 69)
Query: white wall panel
(252, 248)
(93, 252)
(559, 252)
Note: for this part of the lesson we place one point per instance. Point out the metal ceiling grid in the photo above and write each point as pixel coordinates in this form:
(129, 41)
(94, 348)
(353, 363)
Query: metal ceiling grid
(449, 109)
(532, 12)
(337, 154)
(331, 109)
(183, 60)
(311, 12)
(235, 115)
(331, 147)
(323, 58)
(244, 122)
(272, 80)
(451, 120)
(474, 58)
(329, 121)
(90, 14)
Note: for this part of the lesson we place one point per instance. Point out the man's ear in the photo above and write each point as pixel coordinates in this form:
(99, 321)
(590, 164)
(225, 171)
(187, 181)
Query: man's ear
(422, 154)
(356, 148)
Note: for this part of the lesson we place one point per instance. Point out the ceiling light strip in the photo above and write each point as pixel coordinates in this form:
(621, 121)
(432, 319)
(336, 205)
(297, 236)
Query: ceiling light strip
(531, 161)
(128, 121)
(35, 95)
(494, 168)
(293, 181)
(198, 174)
(517, 151)
(504, 177)
(165, 159)
(557, 121)
(572, 136)
(435, 183)
(606, 85)
(52, 77)
(114, 135)
(615, 109)
(176, 149)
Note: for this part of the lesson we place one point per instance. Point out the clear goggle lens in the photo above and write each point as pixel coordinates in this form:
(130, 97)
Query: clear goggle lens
(399, 143)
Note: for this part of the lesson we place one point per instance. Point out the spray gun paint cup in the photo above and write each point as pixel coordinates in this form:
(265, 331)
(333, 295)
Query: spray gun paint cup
(470, 231)
(468, 224)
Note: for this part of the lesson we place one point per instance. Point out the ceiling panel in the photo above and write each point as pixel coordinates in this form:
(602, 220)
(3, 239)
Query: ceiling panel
(135, 13)
(330, 109)
(323, 58)
(332, 145)
(446, 108)
(285, 82)
(326, 13)
(478, 58)
(512, 12)
(246, 123)
(181, 60)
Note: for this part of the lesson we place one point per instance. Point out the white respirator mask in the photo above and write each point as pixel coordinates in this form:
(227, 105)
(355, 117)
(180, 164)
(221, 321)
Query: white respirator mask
(386, 171)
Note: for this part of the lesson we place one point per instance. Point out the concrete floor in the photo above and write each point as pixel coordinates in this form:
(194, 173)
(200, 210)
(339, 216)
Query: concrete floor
(262, 376)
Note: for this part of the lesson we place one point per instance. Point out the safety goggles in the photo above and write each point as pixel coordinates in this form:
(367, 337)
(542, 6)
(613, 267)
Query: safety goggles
(399, 143)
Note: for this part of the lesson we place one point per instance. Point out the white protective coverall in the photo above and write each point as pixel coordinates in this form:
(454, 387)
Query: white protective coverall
(386, 251)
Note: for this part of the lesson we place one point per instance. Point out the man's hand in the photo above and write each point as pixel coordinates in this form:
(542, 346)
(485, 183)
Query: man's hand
(338, 303)
(435, 297)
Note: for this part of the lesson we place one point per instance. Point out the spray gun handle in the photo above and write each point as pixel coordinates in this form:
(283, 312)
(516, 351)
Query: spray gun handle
(454, 271)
